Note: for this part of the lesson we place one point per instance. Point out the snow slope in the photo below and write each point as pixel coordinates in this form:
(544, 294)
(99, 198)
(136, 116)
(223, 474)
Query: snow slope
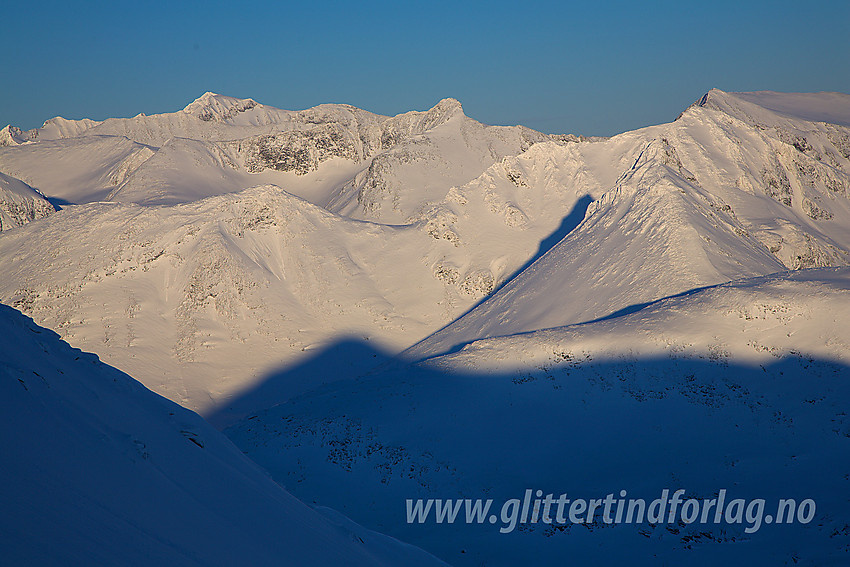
(97, 470)
(20, 203)
(183, 296)
(74, 170)
(742, 386)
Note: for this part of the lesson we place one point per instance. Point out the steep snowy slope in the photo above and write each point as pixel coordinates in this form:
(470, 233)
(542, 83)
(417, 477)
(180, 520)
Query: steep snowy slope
(97, 470)
(706, 199)
(742, 387)
(20, 203)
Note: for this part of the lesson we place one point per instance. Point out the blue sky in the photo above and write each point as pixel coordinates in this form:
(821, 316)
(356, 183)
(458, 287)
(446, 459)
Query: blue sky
(589, 68)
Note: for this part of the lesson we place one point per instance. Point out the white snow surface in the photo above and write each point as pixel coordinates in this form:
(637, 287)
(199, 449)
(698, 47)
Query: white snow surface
(832, 108)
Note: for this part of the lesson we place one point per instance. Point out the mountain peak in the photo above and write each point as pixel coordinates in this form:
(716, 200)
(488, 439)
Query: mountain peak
(442, 112)
(447, 106)
(212, 106)
(828, 107)
(12, 136)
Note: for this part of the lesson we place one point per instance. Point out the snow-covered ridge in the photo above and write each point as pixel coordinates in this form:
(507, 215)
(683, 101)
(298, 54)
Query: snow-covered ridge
(751, 321)
(829, 107)
(352, 161)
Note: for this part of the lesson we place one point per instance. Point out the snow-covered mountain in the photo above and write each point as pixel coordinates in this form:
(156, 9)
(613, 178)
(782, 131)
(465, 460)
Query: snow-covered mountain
(177, 294)
(286, 269)
(334, 155)
(99, 470)
(12, 136)
(596, 312)
(729, 190)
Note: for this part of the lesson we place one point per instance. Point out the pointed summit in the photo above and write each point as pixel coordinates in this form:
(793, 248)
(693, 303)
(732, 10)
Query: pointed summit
(211, 106)
(448, 105)
(442, 112)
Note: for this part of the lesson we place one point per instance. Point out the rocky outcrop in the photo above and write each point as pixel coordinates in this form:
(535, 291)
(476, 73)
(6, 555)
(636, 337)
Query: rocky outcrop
(20, 203)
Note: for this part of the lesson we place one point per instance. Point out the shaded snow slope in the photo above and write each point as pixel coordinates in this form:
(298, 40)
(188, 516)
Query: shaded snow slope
(742, 386)
(752, 321)
(99, 470)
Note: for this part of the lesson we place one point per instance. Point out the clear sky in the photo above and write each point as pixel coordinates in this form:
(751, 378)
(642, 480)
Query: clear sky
(588, 68)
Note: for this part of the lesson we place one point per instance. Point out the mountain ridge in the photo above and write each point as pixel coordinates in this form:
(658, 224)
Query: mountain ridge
(455, 212)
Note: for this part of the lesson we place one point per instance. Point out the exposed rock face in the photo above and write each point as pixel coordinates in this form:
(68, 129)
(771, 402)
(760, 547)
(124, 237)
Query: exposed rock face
(299, 151)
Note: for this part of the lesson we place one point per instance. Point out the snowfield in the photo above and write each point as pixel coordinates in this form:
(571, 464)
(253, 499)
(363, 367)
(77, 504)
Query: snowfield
(424, 306)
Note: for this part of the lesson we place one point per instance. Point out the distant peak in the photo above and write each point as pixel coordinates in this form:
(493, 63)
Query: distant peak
(449, 102)
(448, 105)
(759, 106)
(705, 100)
(12, 136)
(712, 94)
(442, 112)
(212, 106)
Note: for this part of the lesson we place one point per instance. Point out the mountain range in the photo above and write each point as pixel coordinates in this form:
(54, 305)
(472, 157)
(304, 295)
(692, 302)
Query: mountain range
(390, 302)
